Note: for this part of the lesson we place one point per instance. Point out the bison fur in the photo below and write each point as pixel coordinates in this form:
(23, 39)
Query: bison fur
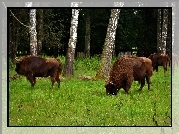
(159, 59)
(35, 66)
(126, 70)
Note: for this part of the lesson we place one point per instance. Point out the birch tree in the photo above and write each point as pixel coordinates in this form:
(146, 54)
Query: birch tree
(68, 70)
(104, 68)
(32, 30)
(162, 26)
(159, 25)
(169, 33)
(164, 30)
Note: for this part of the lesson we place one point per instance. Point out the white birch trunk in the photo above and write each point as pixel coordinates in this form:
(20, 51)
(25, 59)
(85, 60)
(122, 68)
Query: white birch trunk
(106, 57)
(117, 4)
(33, 32)
(73, 29)
(159, 30)
(69, 71)
(164, 30)
(32, 29)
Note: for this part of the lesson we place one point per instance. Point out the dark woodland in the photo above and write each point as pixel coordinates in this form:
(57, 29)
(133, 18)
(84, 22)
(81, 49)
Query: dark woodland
(136, 31)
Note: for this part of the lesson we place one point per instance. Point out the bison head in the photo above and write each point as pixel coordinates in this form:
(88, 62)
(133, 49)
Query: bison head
(111, 88)
(19, 68)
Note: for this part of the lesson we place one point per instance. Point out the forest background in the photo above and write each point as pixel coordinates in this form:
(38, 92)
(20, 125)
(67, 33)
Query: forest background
(136, 30)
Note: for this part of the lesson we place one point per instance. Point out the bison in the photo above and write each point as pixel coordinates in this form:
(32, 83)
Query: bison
(126, 70)
(35, 66)
(159, 59)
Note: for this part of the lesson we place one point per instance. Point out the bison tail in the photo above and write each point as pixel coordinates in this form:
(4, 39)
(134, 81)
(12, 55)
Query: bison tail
(60, 66)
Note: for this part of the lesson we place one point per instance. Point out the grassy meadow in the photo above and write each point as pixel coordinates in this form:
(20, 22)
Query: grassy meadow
(85, 103)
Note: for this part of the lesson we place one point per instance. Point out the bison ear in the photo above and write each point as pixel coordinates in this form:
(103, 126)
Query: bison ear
(110, 84)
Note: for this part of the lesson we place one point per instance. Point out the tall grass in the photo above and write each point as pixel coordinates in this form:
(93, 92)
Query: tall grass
(85, 103)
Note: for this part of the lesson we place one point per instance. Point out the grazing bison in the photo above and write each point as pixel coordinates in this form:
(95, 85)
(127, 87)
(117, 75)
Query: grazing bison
(159, 59)
(35, 66)
(126, 70)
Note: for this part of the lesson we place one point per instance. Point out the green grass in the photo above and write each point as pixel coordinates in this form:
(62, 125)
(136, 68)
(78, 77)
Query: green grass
(85, 103)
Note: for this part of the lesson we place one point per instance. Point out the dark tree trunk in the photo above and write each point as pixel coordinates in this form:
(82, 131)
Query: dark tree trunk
(13, 38)
(40, 31)
(12, 51)
(87, 36)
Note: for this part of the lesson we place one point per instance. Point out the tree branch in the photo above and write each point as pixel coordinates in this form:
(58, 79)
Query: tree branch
(15, 16)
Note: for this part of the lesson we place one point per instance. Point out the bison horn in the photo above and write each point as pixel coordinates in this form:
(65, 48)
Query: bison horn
(16, 59)
(111, 83)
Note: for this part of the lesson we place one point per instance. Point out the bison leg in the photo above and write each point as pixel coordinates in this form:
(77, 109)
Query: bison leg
(32, 80)
(57, 78)
(128, 84)
(164, 72)
(52, 80)
(142, 83)
(165, 69)
(156, 68)
(148, 82)
(58, 81)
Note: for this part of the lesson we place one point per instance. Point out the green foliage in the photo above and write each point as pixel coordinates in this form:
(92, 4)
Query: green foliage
(136, 28)
(11, 65)
(89, 64)
(85, 103)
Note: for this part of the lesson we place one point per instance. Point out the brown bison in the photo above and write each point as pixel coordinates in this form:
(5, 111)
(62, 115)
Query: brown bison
(35, 66)
(159, 59)
(126, 70)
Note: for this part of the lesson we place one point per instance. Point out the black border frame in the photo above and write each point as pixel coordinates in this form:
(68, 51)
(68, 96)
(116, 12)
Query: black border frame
(8, 11)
